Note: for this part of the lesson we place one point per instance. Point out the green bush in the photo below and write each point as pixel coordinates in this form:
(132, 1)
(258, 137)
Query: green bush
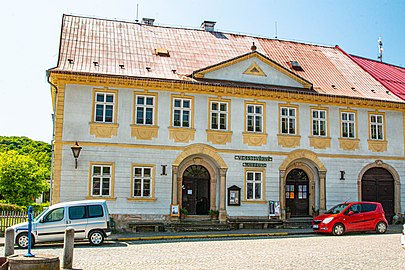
(11, 207)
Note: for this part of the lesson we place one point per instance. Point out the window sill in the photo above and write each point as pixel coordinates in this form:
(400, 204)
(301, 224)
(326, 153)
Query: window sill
(289, 141)
(219, 136)
(180, 134)
(142, 199)
(103, 130)
(349, 144)
(254, 201)
(254, 139)
(101, 198)
(144, 132)
(377, 145)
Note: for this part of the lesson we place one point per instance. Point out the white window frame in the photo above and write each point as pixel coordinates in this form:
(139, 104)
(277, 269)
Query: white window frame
(288, 119)
(181, 111)
(142, 179)
(218, 113)
(377, 127)
(349, 124)
(104, 105)
(316, 122)
(255, 115)
(144, 107)
(102, 177)
(253, 182)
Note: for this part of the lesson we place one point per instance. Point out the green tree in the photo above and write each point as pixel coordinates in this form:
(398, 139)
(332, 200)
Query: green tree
(22, 178)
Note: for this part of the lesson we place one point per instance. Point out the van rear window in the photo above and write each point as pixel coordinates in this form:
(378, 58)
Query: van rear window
(77, 212)
(95, 211)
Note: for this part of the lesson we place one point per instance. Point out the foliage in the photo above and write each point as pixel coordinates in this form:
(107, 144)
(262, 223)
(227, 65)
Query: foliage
(22, 178)
(213, 212)
(184, 211)
(11, 207)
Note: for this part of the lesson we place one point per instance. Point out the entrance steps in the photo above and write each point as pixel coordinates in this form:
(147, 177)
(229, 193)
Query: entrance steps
(197, 224)
(298, 223)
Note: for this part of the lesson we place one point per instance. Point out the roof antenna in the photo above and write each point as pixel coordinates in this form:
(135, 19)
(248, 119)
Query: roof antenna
(276, 29)
(137, 8)
(380, 48)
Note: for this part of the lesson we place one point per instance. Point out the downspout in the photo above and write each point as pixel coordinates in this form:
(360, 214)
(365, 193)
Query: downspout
(53, 134)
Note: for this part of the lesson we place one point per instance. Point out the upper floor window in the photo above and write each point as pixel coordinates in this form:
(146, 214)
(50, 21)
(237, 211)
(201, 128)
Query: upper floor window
(104, 107)
(319, 123)
(288, 120)
(145, 106)
(348, 125)
(376, 127)
(219, 115)
(101, 180)
(254, 117)
(142, 182)
(182, 112)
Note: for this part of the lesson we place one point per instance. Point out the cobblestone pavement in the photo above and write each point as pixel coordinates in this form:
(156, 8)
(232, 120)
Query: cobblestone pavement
(359, 251)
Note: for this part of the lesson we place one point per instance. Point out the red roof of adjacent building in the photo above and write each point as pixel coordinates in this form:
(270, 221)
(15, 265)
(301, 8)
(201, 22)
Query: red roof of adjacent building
(99, 46)
(392, 77)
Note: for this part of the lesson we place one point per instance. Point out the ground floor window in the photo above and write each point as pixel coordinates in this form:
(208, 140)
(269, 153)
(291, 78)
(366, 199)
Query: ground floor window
(142, 181)
(101, 181)
(254, 184)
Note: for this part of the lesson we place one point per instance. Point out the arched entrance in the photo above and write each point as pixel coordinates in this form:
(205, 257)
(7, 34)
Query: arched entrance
(377, 184)
(196, 190)
(297, 193)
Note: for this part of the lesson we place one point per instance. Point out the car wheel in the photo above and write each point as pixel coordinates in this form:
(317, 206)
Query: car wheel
(338, 229)
(22, 240)
(381, 227)
(96, 238)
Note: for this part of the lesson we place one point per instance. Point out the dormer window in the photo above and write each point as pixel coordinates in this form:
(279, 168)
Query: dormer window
(162, 52)
(296, 66)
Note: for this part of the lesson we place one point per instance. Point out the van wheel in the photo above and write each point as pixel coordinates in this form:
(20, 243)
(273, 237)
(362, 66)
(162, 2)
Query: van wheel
(22, 240)
(96, 238)
(381, 227)
(338, 229)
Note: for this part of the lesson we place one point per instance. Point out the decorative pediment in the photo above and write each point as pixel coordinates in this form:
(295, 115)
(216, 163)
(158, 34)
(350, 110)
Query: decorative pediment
(254, 68)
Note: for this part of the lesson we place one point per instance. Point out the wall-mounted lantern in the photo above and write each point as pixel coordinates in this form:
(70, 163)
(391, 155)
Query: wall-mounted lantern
(342, 175)
(76, 152)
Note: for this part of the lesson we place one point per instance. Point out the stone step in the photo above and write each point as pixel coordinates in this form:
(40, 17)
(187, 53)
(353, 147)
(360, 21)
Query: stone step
(298, 223)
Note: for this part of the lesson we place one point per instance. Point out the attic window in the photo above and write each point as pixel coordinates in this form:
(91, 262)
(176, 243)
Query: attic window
(296, 66)
(162, 52)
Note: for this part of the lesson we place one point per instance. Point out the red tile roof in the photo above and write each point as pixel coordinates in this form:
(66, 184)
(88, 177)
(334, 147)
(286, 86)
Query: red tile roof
(392, 77)
(114, 43)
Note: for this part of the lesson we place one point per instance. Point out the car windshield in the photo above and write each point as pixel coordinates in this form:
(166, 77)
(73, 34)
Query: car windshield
(337, 208)
(40, 215)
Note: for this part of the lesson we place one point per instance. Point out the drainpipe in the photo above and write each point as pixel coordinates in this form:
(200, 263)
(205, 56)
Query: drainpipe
(53, 134)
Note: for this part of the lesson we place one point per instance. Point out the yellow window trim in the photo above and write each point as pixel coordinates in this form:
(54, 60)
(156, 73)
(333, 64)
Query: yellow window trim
(356, 125)
(263, 197)
(219, 99)
(105, 90)
(297, 118)
(320, 108)
(255, 102)
(182, 96)
(112, 184)
(153, 176)
(370, 113)
(155, 109)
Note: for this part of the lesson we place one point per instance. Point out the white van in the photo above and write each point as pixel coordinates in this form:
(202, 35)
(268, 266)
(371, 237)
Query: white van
(89, 219)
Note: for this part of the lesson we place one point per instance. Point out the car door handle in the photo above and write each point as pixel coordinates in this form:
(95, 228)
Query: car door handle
(68, 222)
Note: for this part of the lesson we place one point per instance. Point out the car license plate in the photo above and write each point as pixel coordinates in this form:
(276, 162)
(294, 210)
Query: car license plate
(315, 227)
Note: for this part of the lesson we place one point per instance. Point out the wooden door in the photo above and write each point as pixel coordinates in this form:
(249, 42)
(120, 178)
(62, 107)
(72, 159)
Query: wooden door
(196, 190)
(297, 193)
(377, 185)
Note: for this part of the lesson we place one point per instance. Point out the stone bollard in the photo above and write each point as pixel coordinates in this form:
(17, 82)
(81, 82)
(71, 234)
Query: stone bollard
(9, 242)
(68, 246)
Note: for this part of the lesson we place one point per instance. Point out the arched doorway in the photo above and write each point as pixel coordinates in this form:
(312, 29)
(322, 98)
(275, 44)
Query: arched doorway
(377, 185)
(196, 190)
(297, 193)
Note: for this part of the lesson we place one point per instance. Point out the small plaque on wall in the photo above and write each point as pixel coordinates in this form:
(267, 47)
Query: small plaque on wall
(234, 196)
(174, 210)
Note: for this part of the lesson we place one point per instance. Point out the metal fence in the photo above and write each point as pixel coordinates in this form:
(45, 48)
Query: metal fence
(9, 218)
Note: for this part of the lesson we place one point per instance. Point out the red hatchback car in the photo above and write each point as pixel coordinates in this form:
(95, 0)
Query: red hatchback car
(351, 217)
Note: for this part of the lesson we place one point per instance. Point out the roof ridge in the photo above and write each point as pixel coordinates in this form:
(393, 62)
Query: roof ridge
(376, 61)
(228, 32)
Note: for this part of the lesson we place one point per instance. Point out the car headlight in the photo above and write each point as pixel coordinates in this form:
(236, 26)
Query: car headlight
(327, 220)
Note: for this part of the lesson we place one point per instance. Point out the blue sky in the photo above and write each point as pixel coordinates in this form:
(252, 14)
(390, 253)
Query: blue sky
(30, 38)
